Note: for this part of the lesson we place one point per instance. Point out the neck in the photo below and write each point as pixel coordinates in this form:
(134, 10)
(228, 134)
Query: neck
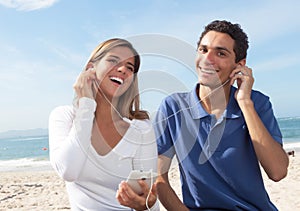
(214, 100)
(105, 111)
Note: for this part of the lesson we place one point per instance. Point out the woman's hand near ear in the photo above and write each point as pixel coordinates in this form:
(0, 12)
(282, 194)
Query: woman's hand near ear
(84, 84)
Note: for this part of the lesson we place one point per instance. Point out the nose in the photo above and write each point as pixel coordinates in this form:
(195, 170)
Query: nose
(209, 57)
(121, 68)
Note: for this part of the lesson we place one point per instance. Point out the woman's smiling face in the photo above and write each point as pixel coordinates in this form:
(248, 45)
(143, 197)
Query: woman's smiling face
(115, 71)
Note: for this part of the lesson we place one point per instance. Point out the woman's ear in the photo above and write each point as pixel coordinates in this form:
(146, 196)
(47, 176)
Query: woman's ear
(90, 65)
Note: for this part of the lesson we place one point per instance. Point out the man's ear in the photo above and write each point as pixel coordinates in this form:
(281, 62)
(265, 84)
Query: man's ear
(242, 62)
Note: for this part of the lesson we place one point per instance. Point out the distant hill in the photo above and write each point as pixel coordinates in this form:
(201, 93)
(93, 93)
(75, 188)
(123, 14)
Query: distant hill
(24, 133)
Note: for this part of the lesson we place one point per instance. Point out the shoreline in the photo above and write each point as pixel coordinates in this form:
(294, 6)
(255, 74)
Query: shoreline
(292, 146)
(25, 165)
(33, 164)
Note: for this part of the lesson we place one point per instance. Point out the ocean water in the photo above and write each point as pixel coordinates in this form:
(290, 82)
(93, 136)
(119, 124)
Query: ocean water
(19, 153)
(33, 152)
(290, 129)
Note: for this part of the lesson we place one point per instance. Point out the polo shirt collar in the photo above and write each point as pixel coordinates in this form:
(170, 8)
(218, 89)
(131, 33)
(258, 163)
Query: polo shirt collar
(197, 111)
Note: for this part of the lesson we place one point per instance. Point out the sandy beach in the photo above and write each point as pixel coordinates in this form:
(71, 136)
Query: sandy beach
(44, 190)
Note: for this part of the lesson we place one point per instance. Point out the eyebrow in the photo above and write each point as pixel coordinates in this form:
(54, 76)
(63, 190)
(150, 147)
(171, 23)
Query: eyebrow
(218, 48)
(223, 49)
(118, 58)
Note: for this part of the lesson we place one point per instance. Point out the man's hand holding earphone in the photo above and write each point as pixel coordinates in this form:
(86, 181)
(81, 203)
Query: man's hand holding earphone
(84, 83)
(127, 197)
(244, 78)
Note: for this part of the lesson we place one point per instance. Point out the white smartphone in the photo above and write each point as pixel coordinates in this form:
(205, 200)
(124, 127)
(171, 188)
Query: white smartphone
(136, 175)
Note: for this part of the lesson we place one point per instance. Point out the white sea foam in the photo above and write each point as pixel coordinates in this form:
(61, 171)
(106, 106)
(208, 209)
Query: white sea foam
(27, 138)
(292, 146)
(25, 164)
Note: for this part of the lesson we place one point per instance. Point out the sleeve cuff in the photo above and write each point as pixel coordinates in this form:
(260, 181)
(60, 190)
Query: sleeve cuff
(155, 206)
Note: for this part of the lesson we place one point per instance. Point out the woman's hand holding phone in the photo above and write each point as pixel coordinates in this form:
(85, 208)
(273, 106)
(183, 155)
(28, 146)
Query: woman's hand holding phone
(128, 197)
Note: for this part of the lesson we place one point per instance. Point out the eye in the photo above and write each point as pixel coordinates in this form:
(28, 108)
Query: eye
(221, 54)
(202, 49)
(130, 68)
(113, 61)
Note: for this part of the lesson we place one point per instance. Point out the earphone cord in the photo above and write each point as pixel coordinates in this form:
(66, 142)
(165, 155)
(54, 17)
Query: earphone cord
(148, 195)
(184, 109)
(98, 86)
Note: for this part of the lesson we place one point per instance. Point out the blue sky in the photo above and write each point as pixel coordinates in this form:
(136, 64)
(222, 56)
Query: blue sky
(45, 44)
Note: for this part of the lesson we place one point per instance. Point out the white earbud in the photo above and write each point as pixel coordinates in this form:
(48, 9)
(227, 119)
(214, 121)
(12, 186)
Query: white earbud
(127, 120)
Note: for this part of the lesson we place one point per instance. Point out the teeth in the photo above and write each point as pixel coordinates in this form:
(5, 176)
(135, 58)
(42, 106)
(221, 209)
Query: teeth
(116, 79)
(210, 71)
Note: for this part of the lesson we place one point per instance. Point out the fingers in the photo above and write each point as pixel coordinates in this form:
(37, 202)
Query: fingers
(144, 186)
(122, 195)
(241, 73)
(83, 84)
(127, 197)
(153, 194)
(154, 189)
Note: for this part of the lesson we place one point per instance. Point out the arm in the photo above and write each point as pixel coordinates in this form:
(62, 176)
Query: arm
(70, 131)
(70, 138)
(166, 194)
(164, 139)
(270, 153)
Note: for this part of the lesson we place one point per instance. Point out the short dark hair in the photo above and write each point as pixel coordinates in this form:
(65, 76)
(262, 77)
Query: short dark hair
(234, 31)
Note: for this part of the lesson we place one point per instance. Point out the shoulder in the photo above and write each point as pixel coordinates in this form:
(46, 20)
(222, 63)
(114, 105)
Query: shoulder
(175, 99)
(258, 96)
(261, 101)
(62, 112)
(144, 125)
(144, 129)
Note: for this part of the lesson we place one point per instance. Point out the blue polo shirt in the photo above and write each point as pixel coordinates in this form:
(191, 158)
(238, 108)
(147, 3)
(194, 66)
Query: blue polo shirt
(218, 166)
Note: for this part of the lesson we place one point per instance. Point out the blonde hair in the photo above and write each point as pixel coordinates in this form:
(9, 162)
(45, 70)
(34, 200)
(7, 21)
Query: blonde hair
(128, 103)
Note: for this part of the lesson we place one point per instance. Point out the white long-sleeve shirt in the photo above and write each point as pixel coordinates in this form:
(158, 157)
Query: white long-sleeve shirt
(92, 179)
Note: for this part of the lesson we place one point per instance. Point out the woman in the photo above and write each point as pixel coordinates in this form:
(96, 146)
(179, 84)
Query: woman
(97, 142)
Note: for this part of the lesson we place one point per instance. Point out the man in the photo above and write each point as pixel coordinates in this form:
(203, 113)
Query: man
(220, 133)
